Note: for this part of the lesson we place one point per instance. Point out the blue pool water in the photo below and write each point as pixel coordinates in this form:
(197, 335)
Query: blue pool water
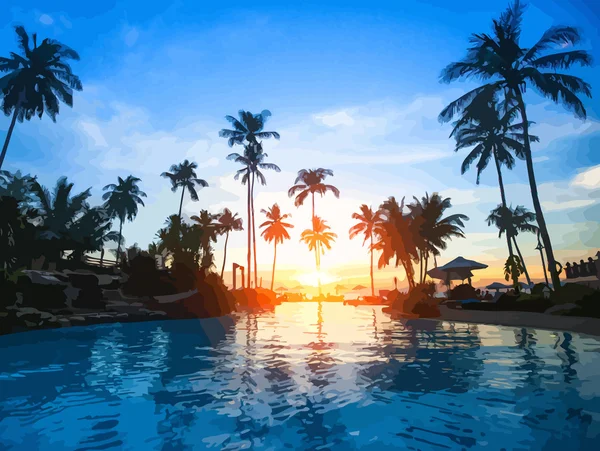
(306, 376)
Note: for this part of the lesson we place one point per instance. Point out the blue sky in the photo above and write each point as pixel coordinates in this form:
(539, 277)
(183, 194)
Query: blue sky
(352, 86)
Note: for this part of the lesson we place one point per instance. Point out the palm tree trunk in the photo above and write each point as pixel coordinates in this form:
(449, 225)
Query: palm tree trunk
(181, 202)
(543, 262)
(249, 256)
(420, 266)
(426, 265)
(224, 254)
(534, 195)
(372, 281)
(254, 237)
(274, 260)
(522, 261)
(318, 255)
(8, 135)
(120, 239)
(317, 247)
(102, 257)
(503, 197)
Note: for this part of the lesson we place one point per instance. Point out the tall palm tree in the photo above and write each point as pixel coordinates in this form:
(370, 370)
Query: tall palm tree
(253, 160)
(432, 229)
(248, 128)
(36, 81)
(488, 127)
(368, 221)
(228, 222)
(183, 175)
(512, 221)
(122, 202)
(395, 238)
(310, 182)
(275, 231)
(505, 66)
(318, 239)
(246, 131)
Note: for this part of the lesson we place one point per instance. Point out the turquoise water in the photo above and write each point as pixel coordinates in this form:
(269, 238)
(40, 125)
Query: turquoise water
(306, 376)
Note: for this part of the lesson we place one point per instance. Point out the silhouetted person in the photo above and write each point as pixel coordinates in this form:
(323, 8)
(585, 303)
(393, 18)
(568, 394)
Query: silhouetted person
(569, 270)
(583, 270)
(575, 270)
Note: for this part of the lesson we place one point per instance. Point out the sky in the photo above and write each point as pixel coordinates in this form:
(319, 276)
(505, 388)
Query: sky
(352, 86)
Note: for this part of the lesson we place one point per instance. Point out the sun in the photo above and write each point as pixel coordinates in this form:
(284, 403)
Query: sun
(312, 278)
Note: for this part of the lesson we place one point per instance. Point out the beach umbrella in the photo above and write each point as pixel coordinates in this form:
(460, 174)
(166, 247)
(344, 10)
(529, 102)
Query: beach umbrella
(282, 289)
(298, 287)
(359, 288)
(339, 288)
(463, 267)
(497, 286)
(437, 273)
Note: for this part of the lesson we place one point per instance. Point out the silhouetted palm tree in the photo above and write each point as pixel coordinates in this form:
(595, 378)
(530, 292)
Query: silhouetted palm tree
(37, 80)
(247, 129)
(56, 214)
(122, 202)
(17, 186)
(505, 66)
(512, 221)
(209, 228)
(310, 181)
(318, 239)
(368, 221)
(228, 222)
(253, 161)
(183, 175)
(275, 231)
(431, 230)
(181, 241)
(493, 135)
(395, 239)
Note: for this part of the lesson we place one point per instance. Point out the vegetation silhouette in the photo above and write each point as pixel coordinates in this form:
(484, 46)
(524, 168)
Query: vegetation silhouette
(507, 68)
(122, 202)
(318, 239)
(512, 221)
(228, 222)
(275, 231)
(183, 175)
(368, 221)
(36, 81)
(247, 130)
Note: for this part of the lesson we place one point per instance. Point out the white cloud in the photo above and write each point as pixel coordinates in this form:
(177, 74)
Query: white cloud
(92, 130)
(46, 19)
(568, 205)
(589, 179)
(335, 119)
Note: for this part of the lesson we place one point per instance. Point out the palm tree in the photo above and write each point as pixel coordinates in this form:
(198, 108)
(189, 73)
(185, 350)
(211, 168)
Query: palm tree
(512, 221)
(318, 239)
(493, 135)
(228, 222)
(36, 80)
(395, 238)
(275, 231)
(431, 229)
(209, 228)
(247, 128)
(57, 213)
(122, 202)
(17, 186)
(310, 181)
(253, 162)
(368, 221)
(246, 131)
(506, 67)
(183, 176)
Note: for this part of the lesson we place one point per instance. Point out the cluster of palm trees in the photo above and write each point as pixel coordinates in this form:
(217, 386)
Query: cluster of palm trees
(407, 238)
(40, 222)
(491, 120)
(493, 117)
